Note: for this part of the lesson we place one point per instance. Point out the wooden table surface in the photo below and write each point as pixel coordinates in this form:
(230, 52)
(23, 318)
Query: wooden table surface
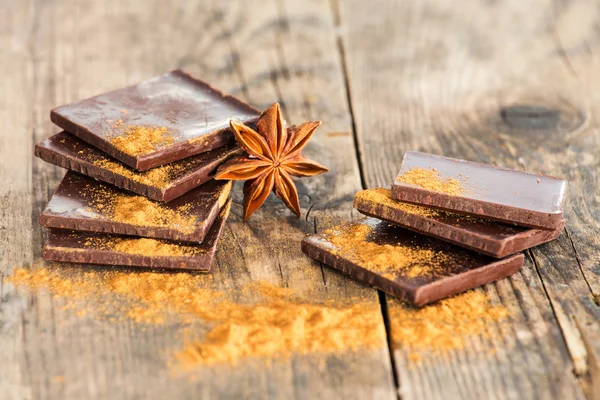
(508, 82)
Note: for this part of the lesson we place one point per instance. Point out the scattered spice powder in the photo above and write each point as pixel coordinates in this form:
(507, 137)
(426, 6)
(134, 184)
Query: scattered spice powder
(445, 325)
(140, 211)
(136, 139)
(431, 179)
(144, 246)
(383, 196)
(278, 325)
(357, 244)
(154, 294)
(158, 177)
(153, 247)
(43, 278)
(280, 328)
(269, 290)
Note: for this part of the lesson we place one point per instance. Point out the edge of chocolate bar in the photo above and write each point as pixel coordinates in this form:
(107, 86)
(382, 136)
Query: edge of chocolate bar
(454, 232)
(68, 246)
(481, 209)
(52, 151)
(493, 272)
(418, 295)
(413, 194)
(187, 148)
(147, 161)
(71, 207)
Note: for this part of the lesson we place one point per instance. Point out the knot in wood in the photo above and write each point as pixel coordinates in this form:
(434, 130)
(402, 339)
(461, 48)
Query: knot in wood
(530, 117)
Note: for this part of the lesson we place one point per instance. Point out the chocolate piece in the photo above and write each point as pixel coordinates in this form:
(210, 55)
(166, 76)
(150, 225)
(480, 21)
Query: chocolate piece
(84, 204)
(158, 121)
(98, 248)
(464, 187)
(404, 264)
(484, 236)
(161, 183)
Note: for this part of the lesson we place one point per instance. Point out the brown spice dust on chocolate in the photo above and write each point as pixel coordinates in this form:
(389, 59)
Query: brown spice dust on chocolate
(354, 242)
(384, 196)
(140, 211)
(136, 139)
(431, 179)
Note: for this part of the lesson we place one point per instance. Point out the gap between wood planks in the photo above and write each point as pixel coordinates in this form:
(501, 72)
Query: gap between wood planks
(335, 13)
(573, 340)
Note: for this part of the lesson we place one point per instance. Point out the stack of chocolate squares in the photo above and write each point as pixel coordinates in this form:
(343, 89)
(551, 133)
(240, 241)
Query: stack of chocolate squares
(140, 190)
(444, 227)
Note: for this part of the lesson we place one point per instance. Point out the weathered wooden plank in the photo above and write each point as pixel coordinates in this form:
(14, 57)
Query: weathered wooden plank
(15, 205)
(452, 80)
(282, 51)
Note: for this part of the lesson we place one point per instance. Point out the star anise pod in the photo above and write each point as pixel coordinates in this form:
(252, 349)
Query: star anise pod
(273, 158)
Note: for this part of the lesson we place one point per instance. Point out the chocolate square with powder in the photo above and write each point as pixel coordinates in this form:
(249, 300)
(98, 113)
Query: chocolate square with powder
(155, 122)
(84, 204)
(162, 183)
(485, 191)
(484, 236)
(404, 264)
(99, 248)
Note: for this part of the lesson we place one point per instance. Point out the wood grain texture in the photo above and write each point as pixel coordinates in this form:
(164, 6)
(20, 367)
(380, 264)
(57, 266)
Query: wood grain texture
(506, 82)
(509, 83)
(15, 202)
(261, 51)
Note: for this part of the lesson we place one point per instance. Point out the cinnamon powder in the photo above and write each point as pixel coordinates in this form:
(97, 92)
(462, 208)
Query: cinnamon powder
(357, 243)
(158, 177)
(431, 179)
(278, 325)
(144, 246)
(140, 211)
(137, 139)
(445, 325)
(383, 196)
(153, 247)
(280, 328)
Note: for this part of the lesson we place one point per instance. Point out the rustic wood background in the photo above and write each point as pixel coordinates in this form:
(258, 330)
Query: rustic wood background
(509, 82)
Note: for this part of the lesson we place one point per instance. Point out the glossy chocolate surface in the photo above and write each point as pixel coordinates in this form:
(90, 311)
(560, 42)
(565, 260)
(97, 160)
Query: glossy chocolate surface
(81, 203)
(505, 195)
(484, 236)
(459, 270)
(81, 247)
(69, 152)
(195, 113)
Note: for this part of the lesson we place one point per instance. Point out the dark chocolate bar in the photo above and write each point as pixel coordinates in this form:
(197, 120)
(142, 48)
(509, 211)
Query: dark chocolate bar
(156, 122)
(162, 183)
(404, 264)
(84, 204)
(98, 248)
(469, 188)
(484, 236)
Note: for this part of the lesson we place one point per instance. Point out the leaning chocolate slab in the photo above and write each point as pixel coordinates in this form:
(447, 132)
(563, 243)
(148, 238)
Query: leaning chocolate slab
(84, 204)
(162, 183)
(158, 121)
(464, 187)
(484, 236)
(404, 264)
(98, 248)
